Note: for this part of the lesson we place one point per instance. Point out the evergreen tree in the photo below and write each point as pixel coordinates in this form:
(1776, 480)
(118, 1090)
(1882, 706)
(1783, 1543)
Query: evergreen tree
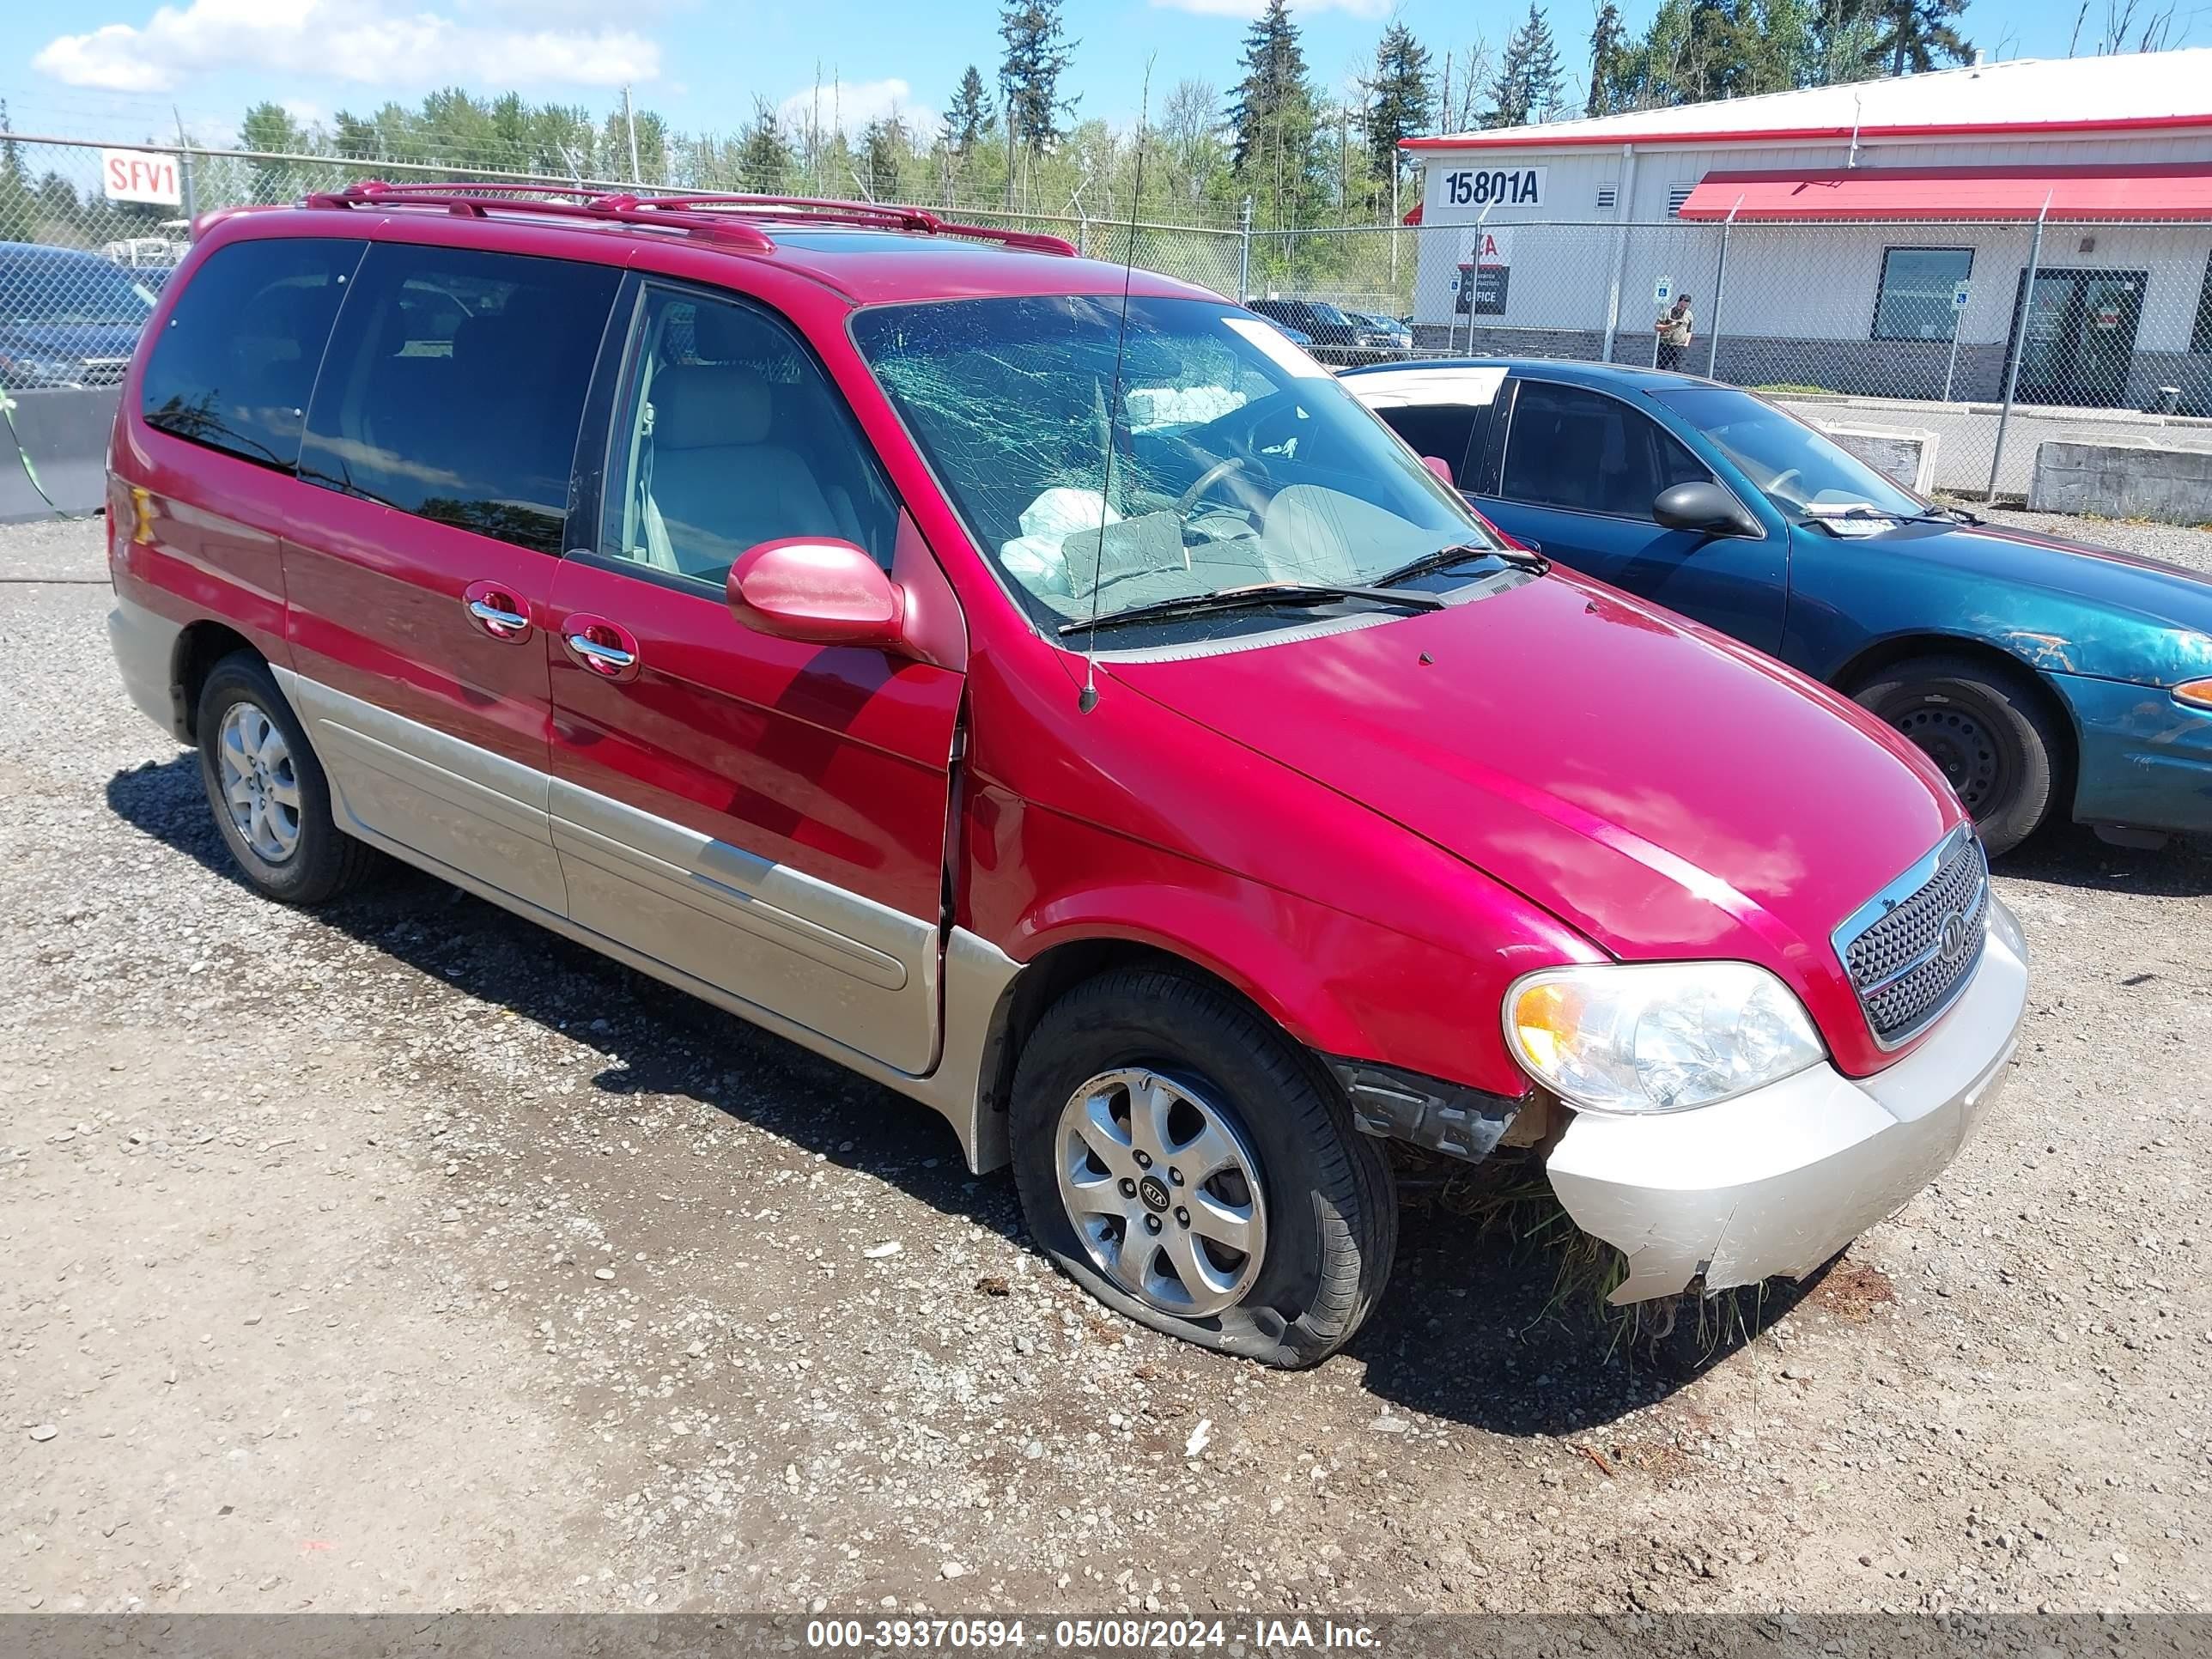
(1526, 85)
(765, 157)
(1609, 61)
(970, 116)
(1915, 33)
(1398, 101)
(1272, 116)
(883, 145)
(1037, 53)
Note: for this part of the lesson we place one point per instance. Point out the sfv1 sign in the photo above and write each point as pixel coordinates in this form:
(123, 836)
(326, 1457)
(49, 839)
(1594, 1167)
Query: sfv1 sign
(140, 175)
(1482, 187)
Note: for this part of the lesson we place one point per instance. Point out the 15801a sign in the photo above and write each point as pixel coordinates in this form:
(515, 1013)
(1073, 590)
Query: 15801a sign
(1481, 188)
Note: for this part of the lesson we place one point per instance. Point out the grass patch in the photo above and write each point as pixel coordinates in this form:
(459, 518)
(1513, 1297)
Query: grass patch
(1512, 1196)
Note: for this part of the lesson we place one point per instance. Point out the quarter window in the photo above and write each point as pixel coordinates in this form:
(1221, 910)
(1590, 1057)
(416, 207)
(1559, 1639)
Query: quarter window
(455, 386)
(1588, 452)
(236, 361)
(1915, 300)
(730, 435)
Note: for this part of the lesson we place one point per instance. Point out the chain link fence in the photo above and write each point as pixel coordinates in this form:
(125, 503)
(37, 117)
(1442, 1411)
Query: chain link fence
(1933, 333)
(1931, 330)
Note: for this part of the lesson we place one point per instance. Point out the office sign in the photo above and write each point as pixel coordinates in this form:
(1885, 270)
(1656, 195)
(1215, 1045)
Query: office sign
(1486, 266)
(141, 175)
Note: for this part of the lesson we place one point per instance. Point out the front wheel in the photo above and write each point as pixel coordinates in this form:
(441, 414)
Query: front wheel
(1987, 728)
(1184, 1162)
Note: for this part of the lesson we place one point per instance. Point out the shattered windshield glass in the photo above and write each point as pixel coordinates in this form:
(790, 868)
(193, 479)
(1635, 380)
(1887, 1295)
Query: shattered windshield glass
(1229, 458)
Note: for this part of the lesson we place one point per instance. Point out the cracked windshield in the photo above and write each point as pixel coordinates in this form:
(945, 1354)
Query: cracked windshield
(1231, 460)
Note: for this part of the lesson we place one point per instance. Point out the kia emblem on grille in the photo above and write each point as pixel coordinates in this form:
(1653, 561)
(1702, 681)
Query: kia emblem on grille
(1953, 939)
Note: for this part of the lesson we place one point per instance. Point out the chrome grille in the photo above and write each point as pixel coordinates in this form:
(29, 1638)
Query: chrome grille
(1895, 948)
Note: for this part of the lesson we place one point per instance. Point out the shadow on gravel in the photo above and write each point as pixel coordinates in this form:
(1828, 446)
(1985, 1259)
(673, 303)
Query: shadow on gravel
(1472, 1328)
(2070, 855)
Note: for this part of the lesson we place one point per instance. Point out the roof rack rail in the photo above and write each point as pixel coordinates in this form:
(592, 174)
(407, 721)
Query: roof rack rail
(724, 216)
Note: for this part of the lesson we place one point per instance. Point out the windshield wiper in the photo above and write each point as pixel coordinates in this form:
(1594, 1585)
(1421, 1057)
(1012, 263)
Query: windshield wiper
(1445, 557)
(1257, 597)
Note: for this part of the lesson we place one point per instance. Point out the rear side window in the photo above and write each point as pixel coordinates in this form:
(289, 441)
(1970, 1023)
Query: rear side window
(236, 363)
(454, 387)
(1444, 430)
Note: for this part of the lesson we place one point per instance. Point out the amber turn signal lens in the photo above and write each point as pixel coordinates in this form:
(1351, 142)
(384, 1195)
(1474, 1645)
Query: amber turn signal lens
(2197, 693)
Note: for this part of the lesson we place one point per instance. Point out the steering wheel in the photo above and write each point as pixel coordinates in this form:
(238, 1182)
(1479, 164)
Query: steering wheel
(1212, 476)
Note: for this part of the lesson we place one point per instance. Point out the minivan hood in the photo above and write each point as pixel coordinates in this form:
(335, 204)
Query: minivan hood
(1669, 792)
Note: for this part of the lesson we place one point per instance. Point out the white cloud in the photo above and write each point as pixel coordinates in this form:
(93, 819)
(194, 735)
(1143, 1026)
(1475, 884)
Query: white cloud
(854, 104)
(1248, 8)
(360, 41)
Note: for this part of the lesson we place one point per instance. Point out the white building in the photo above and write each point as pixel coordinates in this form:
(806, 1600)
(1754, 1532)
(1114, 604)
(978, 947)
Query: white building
(1844, 238)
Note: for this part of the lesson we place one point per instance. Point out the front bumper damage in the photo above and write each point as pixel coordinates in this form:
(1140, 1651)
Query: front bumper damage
(1778, 1181)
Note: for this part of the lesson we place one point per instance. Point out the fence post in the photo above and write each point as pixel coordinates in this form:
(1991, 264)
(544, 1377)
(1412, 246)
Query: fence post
(186, 187)
(1720, 288)
(1244, 252)
(1083, 237)
(2019, 349)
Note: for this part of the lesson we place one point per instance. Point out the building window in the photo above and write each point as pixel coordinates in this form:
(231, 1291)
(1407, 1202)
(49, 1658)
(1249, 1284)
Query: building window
(1915, 301)
(2200, 338)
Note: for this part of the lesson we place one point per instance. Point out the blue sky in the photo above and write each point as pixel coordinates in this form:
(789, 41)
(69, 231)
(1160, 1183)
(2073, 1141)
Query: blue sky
(115, 67)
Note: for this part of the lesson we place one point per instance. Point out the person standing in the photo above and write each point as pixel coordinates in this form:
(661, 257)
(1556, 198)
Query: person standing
(1675, 328)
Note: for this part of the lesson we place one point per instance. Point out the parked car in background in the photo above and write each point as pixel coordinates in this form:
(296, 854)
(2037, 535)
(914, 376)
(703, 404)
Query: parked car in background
(1338, 338)
(1296, 337)
(2045, 677)
(67, 318)
(1039, 687)
(1400, 331)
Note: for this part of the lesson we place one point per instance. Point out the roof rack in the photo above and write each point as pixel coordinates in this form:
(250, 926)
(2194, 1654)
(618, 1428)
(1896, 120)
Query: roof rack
(721, 217)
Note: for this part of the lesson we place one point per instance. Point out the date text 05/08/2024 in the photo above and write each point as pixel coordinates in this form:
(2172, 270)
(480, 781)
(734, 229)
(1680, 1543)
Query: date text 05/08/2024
(1088, 1635)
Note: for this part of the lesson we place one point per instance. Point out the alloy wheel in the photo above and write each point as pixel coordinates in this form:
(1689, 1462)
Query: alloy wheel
(260, 789)
(1163, 1190)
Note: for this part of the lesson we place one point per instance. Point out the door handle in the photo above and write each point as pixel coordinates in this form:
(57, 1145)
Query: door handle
(601, 646)
(495, 610)
(606, 658)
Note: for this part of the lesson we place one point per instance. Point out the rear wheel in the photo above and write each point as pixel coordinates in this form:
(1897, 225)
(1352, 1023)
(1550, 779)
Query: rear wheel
(1188, 1164)
(1987, 728)
(267, 790)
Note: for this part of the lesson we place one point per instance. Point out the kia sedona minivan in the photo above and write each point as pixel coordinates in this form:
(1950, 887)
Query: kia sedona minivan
(1041, 687)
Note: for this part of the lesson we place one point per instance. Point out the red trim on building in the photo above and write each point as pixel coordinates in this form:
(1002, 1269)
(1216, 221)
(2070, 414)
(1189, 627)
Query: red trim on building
(1517, 137)
(2150, 190)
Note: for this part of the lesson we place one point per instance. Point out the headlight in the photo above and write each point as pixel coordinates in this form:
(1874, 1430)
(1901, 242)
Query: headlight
(1658, 1036)
(2196, 693)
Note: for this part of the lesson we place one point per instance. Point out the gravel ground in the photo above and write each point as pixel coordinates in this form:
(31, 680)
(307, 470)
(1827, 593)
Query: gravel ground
(403, 1257)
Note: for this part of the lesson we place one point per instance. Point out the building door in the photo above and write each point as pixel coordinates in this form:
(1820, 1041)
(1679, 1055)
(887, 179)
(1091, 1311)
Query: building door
(2075, 333)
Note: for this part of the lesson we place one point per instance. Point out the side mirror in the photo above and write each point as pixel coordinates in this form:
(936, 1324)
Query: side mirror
(827, 593)
(1702, 507)
(1441, 468)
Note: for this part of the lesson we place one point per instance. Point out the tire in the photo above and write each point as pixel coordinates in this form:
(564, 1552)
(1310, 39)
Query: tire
(1990, 731)
(282, 838)
(1319, 1191)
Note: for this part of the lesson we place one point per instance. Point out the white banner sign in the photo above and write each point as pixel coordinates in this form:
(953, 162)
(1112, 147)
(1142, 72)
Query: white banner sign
(141, 175)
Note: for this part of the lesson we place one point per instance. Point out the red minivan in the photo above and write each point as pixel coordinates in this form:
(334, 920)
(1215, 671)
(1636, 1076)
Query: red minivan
(1039, 686)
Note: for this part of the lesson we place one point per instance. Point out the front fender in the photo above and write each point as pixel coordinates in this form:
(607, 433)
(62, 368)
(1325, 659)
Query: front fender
(1336, 980)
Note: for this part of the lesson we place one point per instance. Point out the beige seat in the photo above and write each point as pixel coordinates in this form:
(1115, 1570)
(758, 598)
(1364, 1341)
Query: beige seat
(719, 485)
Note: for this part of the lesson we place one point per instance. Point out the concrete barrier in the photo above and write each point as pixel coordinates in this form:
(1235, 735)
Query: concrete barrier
(65, 434)
(1904, 455)
(2166, 481)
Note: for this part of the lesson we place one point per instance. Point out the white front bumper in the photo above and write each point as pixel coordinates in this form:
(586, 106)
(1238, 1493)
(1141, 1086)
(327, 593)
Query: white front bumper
(1778, 1181)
